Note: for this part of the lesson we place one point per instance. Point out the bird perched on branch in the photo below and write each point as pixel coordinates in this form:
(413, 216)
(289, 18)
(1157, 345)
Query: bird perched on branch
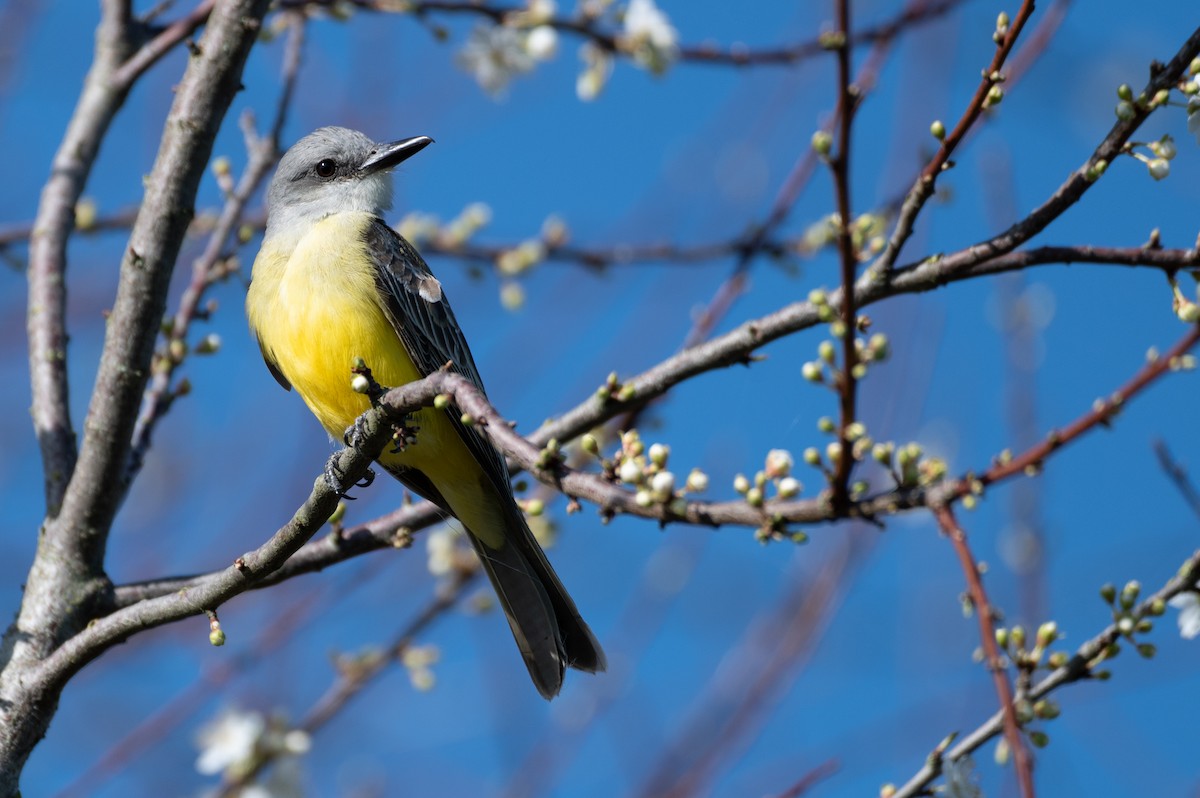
(333, 282)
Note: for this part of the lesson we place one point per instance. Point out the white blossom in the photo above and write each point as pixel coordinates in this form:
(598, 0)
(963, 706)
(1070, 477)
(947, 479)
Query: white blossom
(439, 548)
(961, 779)
(779, 463)
(1188, 604)
(697, 481)
(228, 740)
(652, 40)
(542, 43)
(494, 54)
(662, 485)
(629, 472)
(1193, 116)
(597, 67)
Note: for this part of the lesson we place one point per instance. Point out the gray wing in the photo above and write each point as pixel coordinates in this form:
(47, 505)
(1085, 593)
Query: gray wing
(421, 316)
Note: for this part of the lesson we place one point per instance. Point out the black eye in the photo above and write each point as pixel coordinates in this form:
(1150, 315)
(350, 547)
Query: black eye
(326, 167)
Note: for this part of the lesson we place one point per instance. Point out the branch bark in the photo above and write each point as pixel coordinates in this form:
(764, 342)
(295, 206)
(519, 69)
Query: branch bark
(67, 586)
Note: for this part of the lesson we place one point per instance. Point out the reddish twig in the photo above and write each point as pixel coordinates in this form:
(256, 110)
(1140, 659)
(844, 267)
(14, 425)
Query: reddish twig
(811, 779)
(987, 635)
(1079, 667)
(923, 189)
(1102, 413)
(839, 166)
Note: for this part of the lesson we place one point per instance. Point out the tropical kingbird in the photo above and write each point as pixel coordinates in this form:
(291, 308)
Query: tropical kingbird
(334, 282)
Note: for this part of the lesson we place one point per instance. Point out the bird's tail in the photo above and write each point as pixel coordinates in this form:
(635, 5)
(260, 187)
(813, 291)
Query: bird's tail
(544, 620)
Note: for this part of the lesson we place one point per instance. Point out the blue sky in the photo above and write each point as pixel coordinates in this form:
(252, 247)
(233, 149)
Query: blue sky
(690, 157)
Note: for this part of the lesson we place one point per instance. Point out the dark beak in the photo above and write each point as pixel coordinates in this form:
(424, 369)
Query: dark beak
(386, 156)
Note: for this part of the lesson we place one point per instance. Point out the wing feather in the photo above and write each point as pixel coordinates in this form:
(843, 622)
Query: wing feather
(422, 318)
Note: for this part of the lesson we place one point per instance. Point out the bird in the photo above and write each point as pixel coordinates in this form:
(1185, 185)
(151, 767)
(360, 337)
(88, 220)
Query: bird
(332, 283)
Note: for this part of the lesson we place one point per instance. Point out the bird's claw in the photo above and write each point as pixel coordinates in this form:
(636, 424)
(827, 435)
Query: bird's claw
(355, 434)
(335, 478)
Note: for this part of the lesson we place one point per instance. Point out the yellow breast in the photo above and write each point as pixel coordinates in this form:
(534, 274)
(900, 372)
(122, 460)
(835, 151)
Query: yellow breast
(317, 310)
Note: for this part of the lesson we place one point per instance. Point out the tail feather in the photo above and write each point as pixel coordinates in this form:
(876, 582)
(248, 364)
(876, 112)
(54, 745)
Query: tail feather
(544, 620)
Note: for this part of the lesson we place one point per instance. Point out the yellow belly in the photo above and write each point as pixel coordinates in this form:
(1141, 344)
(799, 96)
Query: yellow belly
(314, 313)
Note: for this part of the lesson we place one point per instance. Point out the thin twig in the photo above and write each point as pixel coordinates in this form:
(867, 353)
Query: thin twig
(1178, 476)
(987, 636)
(209, 268)
(526, 454)
(1102, 413)
(354, 677)
(923, 189)
(839, 165)
(611, 41)
(1078, 668)
(160, 45)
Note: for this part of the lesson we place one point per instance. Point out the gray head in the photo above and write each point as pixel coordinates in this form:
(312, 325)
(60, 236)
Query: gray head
(331, 170)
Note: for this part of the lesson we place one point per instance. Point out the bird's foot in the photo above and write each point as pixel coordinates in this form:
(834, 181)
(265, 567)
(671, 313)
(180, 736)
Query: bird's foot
(336, 479)
(356, 434)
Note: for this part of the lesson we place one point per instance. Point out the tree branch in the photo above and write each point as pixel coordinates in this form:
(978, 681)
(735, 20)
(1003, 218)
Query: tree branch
(208, 268)
(586, 28)
(923, 189)
(66, 584)
(1080, 667)
(987, 636)
(46, 324)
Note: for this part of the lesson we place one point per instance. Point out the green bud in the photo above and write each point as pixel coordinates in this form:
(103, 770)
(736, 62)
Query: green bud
(1108, 592)
(659, 453)
(441, 401)
(822, 143)
(1046, 709)
(1147, 650)
(938, 129)
(1018, 636)
(217, 637)
(1039, 739)
(1129, 594)
(1125, 92)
